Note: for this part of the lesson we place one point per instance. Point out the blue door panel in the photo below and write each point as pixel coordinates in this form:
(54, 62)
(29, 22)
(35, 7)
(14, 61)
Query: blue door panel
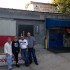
(55, 39)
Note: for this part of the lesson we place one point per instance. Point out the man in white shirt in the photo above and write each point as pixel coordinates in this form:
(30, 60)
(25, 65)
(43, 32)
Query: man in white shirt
(24, 50)
(8, 52)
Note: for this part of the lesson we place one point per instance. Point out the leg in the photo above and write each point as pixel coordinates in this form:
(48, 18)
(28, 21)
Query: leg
(25, 56)
(16, 58)
(29, 55)
(9, 61)
(22, 53)
(34, 56)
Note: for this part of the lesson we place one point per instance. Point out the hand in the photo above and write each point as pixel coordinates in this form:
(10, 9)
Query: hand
(7, 54)
(27, 49)
(34, 46)
(17, 51)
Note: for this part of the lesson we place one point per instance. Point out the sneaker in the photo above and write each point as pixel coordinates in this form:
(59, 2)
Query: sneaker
(10, 68)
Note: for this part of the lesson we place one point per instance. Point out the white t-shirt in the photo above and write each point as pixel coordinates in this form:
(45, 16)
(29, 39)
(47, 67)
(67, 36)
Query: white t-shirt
(23, 44)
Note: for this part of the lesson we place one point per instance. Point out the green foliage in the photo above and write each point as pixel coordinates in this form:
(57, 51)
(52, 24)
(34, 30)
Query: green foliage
(63, 6)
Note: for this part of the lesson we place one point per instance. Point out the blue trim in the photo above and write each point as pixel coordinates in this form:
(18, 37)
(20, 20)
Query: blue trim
(54, 22)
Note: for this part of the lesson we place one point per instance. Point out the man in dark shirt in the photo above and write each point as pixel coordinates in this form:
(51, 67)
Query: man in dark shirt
(16, 49)
(31, 48)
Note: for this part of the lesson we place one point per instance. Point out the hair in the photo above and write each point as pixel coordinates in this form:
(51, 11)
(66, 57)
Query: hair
(15, 37)
(23, 36)
(9, 37)
(28, 33)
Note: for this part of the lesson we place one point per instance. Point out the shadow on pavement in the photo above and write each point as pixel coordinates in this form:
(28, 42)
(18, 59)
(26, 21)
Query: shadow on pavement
(59, 50)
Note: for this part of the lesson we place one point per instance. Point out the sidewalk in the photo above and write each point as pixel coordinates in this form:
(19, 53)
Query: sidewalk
(47, 61)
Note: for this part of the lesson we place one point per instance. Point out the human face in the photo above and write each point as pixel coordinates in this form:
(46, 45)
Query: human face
(9, 40)
(15, 39)
(22, 37)
(28, 34)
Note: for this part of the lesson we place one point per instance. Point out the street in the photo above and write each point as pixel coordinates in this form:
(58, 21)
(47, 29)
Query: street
(47, 61)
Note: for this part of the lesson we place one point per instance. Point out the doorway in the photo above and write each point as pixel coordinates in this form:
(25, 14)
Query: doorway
(55, 38)
(24, 29)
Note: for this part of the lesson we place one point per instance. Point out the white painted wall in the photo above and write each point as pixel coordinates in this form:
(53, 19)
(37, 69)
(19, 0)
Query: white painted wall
(43, 8)
(7, 27)
(30, 7)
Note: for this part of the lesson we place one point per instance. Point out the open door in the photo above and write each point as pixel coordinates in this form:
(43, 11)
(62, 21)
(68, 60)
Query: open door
(25, 29)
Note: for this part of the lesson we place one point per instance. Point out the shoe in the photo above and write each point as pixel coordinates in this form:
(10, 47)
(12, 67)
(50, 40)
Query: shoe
(36, 63)
(26, 65)
(30, 62)
(17, 65)
(10, 68)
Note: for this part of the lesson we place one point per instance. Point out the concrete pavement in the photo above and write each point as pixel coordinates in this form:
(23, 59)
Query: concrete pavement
(47, 61)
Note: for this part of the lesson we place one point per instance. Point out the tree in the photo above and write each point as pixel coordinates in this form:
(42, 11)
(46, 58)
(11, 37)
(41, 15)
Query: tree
(63, 6)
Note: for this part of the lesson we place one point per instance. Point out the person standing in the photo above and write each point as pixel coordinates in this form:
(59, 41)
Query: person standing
(31, 48)
(24, 50)
(8, 52)
(16, 49)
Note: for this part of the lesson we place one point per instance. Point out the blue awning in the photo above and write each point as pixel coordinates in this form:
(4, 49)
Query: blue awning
(53, 22)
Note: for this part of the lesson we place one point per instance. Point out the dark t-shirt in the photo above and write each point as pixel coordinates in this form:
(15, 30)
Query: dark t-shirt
(31, 42)
(15, 46)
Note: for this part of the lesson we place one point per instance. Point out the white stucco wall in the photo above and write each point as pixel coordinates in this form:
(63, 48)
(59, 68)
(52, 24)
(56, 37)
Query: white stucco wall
(7, 27)
(30, 7)
(43, 8)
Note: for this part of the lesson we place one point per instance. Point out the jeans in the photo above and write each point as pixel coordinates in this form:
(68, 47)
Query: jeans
(31, 53)
(24, 55)
(9, 61)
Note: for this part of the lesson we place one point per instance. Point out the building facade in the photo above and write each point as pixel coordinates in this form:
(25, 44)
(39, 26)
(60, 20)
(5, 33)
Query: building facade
(14, 22)
(58, 33)
(41, 7)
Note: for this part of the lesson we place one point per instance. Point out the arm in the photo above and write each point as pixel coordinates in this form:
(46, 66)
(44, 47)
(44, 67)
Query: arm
(27, 44)
(34, 42)
(18, 47)
(5, 49)
(12, 47)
